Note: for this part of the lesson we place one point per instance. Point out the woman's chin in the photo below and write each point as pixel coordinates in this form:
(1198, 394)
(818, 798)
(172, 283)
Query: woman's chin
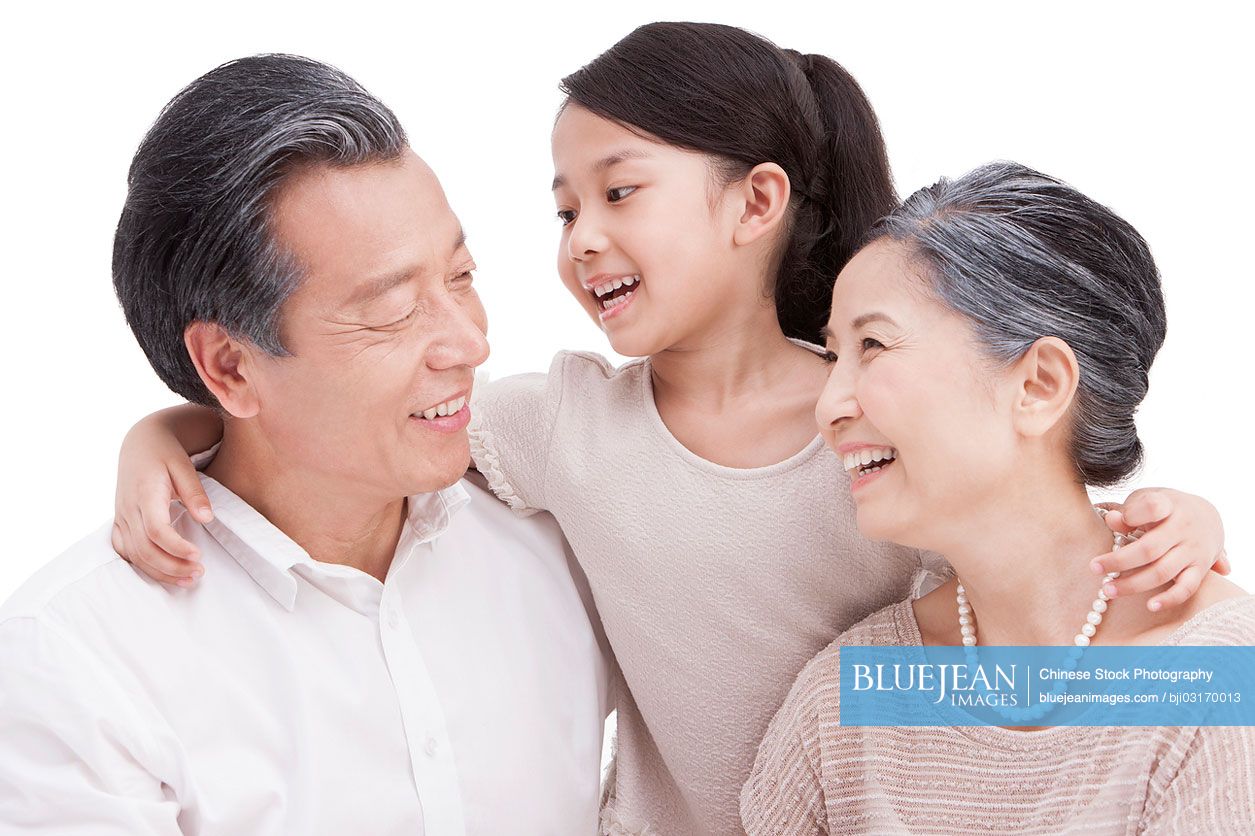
(880, 525)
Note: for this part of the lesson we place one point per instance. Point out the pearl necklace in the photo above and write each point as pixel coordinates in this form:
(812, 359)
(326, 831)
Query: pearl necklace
(1081, 640)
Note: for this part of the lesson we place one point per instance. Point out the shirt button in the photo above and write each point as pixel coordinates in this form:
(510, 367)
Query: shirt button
(431, 747)
(393, 618)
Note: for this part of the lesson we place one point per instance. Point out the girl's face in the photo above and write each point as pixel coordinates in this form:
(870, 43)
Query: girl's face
(911, 387)
(646, 243)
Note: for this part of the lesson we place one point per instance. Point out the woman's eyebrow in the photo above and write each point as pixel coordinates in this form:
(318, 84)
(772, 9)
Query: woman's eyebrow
(859, 322)
(606, 162)
(874, 316)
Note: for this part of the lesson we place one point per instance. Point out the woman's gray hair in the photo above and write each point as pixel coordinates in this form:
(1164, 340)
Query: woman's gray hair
(1024, 256)
(194, 240)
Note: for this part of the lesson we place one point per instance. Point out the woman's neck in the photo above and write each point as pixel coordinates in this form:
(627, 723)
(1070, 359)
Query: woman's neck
(1024, 561)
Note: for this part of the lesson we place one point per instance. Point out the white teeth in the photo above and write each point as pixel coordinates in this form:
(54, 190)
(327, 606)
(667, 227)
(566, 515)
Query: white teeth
(443, 409)
(862, 458)
(615, 284)
(618, 300)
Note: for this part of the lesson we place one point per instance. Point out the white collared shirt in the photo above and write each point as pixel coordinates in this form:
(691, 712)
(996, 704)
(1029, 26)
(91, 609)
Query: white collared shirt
(464, 695)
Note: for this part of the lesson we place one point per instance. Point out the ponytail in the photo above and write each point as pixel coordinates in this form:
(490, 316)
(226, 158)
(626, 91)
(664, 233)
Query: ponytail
(738, 97)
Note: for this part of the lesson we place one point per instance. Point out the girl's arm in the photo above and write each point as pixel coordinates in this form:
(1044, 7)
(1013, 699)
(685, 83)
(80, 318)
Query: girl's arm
(1181, 538)
(154, 469)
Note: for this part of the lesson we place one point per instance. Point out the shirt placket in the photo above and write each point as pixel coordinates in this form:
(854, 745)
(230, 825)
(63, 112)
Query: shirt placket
(431, 755)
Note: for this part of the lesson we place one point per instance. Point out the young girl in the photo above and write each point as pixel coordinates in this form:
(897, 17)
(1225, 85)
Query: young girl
(710, 186)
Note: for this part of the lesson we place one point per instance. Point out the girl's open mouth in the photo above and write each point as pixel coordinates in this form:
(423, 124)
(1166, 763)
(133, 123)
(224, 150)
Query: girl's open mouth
(615, 293)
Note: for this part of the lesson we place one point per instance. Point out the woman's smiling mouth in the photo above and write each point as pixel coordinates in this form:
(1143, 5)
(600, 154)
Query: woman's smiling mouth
(865, 463)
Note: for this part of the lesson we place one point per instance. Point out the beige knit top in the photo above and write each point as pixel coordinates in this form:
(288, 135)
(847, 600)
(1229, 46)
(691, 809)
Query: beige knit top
(814, 776)
(715, 585)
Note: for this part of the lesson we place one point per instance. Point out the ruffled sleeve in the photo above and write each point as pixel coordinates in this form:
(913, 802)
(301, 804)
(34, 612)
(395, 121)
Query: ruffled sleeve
(511, 433)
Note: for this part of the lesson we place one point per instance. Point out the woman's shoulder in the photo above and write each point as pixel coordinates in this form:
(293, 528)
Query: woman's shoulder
(1229, 619)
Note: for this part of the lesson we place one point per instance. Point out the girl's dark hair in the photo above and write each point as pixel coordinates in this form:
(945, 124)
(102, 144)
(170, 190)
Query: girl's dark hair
(1025, 256)
(740, 98)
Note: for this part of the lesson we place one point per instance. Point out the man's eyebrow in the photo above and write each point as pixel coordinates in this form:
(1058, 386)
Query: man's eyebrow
(608, 161)
(379, 286)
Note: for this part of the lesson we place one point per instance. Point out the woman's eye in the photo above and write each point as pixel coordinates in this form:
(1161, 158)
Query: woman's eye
(829, 357)
(869, 343)
(566, 216)
(615, 195)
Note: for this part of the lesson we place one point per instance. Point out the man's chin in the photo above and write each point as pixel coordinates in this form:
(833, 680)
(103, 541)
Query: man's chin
(442, 473)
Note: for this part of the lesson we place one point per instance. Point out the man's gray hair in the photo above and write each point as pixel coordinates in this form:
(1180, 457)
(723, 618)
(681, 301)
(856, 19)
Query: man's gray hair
(194, 240)
(1024, 256)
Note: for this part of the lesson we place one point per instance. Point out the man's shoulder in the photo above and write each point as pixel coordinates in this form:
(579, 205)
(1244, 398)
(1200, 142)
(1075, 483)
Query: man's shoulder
(487, 518)
(80, 573)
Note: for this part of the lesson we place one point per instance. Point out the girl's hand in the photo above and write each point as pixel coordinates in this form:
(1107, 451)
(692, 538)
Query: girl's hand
(154, 470)
(1180, 538)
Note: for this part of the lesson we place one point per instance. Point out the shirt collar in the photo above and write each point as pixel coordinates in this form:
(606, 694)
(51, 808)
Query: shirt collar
(269, 555)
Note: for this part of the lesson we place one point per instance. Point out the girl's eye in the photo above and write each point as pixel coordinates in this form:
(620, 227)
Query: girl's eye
(615, 195)
(566, 216)
(869, 343)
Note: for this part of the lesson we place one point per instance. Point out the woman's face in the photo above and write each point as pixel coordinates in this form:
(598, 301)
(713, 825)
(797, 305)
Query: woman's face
(646, 243)
(911, 387)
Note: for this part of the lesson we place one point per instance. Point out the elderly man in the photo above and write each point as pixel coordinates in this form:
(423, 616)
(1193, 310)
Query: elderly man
(377, 647)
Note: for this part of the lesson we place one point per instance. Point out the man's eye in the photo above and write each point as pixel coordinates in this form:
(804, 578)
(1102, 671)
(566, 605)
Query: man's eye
(615, 195)
(566, 216)
(403, 319)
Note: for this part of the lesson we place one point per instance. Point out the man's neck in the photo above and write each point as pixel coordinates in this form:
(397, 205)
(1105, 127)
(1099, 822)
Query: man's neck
(318, 512)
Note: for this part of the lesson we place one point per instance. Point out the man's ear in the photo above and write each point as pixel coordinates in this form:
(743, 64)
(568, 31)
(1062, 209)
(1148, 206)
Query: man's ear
(763, 199)
(1046, 378)
(225, 367)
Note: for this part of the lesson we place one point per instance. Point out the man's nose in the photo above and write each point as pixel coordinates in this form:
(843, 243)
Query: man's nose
(462, 340)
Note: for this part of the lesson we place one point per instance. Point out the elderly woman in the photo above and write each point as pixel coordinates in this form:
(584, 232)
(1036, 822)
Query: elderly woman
(989, 347)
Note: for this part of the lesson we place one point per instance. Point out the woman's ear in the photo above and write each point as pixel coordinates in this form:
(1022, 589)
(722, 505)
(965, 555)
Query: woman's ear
(225, 367)
(1046, 378)
(764, 198)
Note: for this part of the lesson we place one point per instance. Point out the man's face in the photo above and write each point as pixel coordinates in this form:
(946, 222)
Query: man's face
(384, 331)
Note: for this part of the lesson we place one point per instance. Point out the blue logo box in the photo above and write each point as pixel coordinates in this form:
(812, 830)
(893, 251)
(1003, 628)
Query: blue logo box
(1048, 686)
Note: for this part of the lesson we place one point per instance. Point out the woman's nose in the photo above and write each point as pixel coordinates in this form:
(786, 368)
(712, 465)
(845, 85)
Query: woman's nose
(837, 403)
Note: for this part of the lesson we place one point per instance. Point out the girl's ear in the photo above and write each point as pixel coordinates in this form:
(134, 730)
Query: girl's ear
(763, 197)
(225, 366)
(1046, 380)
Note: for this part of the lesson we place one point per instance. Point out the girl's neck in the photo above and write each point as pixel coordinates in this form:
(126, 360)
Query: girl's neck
(732, 363)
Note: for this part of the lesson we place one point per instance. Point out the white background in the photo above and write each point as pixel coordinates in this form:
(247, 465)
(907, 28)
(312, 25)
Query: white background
(1144, 109)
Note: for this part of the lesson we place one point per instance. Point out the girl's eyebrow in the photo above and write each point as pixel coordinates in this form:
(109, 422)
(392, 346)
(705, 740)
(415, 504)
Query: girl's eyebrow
(606, 162)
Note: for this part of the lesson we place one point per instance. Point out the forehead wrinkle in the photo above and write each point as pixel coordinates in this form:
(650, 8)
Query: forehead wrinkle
(379, 286)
